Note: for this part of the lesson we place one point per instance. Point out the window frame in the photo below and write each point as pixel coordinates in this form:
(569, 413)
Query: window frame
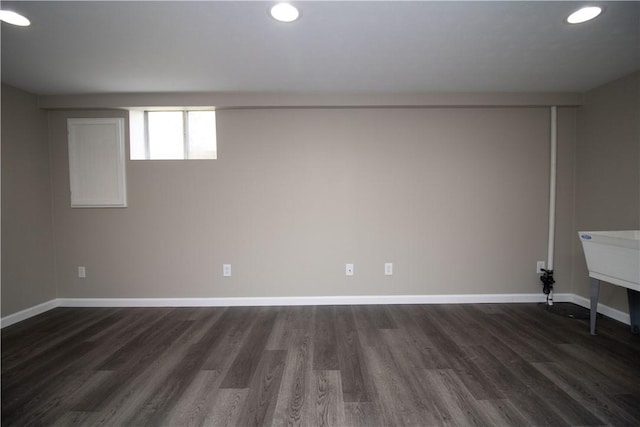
(186, 141)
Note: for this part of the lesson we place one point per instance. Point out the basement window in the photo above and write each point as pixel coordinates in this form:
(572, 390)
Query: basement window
(173, 134)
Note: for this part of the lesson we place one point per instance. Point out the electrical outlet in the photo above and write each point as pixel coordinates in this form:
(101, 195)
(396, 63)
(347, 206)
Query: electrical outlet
(349, 269)
(388, 268)
(82, 272)
(226, 270)
(539, 267)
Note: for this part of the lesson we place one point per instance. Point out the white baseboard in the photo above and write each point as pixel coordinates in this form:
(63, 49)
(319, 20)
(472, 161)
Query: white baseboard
(611, 312)
(28, 312)
(316, 300)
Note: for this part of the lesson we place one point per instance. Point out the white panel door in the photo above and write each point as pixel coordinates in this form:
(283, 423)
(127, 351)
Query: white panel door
(96, 163)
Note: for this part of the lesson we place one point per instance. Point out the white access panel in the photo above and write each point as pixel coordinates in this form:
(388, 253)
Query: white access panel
(97, 163)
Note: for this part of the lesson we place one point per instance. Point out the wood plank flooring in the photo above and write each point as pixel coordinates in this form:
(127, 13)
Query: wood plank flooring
(471, 364)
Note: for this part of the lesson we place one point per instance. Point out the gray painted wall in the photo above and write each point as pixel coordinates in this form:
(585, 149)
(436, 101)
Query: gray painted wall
(608, 172)
(456, 198)
(27, 234)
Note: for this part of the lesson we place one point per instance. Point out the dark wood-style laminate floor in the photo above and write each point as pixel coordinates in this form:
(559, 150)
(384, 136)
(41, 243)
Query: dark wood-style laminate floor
(473, 364)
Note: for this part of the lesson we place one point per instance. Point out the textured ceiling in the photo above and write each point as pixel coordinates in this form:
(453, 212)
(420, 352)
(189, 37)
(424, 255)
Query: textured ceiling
(354, 47)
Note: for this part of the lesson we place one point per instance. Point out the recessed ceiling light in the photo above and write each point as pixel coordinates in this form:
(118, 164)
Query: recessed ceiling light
(14, 18)
(583, 15)
(284, 12)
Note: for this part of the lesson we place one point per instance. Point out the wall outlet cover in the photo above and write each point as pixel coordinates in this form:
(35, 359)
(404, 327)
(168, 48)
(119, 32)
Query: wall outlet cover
(349, 269)
(388, 268)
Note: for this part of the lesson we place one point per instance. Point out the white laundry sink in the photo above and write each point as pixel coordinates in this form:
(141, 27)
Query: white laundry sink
(614, 257)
